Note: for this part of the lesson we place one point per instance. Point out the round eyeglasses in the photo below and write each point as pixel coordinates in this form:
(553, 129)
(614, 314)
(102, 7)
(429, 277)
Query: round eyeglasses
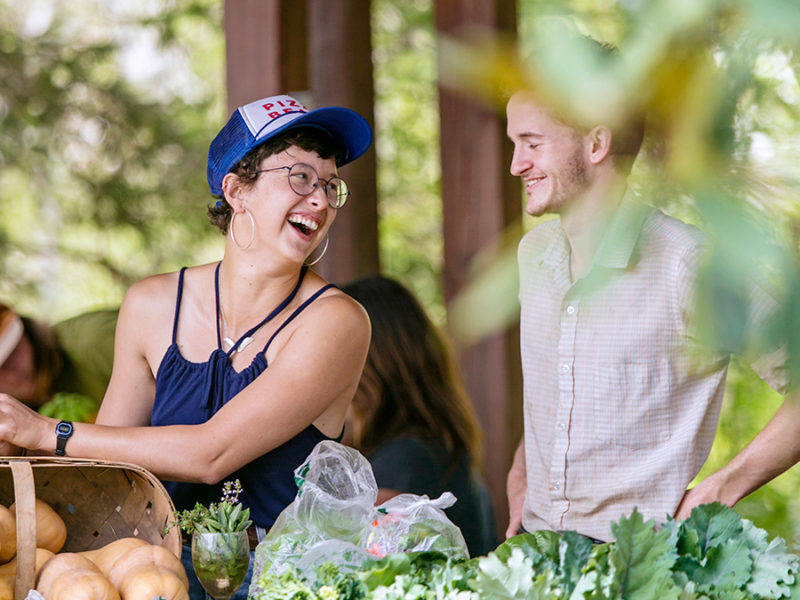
(304, 179)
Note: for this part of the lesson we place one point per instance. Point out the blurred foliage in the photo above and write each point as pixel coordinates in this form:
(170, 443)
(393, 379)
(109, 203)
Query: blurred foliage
(69, 406)
(407, 147)
(718, 81)
(105, 125)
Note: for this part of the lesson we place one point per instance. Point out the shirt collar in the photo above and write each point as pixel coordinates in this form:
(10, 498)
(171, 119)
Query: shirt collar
(619, 241)
(617, 245)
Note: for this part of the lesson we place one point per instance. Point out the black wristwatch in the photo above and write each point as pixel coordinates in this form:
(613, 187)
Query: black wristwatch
(63, 431)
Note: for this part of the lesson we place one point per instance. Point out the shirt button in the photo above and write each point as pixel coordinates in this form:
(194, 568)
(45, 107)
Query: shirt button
(561, 427)
(570, 310)
(556, 485)
(565, 368)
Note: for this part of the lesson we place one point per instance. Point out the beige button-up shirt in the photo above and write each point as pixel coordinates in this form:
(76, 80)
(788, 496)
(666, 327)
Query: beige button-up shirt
(621, 403)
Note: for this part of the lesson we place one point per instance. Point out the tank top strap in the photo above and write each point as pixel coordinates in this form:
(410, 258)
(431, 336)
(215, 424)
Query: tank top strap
(241, 342)
(178, 305)
(297, 311)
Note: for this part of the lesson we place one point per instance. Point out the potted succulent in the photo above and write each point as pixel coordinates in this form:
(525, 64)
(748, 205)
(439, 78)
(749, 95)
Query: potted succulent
(220, 547)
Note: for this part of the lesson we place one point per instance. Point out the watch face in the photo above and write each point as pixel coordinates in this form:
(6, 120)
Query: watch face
(64, 428)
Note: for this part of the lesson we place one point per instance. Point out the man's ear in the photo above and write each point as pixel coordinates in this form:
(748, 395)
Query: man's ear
(599, 139)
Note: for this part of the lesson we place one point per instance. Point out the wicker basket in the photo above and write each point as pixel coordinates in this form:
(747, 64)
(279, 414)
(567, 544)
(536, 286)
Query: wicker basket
(100, 501)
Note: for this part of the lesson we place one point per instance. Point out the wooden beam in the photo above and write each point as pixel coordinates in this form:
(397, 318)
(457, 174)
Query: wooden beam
(266, 49)
(340, 73)
(480, 199)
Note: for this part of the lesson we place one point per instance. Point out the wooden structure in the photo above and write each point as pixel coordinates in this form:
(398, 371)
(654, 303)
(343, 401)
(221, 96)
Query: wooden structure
(317, 49)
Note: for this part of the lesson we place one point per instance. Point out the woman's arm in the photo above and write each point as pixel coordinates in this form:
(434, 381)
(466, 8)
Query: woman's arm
(143, 334)
(310, 380)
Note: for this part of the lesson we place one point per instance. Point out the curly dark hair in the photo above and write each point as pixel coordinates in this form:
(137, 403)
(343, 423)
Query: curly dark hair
(310, 139)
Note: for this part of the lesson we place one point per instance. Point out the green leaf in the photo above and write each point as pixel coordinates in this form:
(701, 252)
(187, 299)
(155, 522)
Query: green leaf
(774, 568)
(643, 559)
(574, 551)
(535, 545)
(725, 567)
(714, 525)
(514, 579)
(385, 570)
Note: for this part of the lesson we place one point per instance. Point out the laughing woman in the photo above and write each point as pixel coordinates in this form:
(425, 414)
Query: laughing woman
(236, 369)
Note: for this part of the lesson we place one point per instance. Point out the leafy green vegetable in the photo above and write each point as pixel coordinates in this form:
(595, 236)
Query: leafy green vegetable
(713, 555)
(70, 407)
(514, 579)
(286, 586)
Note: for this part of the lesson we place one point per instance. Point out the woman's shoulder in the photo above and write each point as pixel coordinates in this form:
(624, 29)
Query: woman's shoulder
(333, 305)
(158, 294)
(164, 286)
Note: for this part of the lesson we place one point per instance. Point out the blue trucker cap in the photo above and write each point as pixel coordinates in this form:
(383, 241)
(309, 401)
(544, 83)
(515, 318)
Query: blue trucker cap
(255, 123)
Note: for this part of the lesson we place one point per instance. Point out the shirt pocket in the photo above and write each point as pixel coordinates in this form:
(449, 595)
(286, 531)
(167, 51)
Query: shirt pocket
(632, 404)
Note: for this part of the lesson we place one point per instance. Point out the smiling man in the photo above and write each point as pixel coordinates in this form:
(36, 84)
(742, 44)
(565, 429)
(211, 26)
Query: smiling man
(621, 403)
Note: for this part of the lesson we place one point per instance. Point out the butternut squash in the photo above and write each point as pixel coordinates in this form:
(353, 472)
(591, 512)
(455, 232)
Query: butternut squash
(61, 564)
(6, 589)
(82, 584)
(51, 532)
(149, 554)
(105, 556)
(147, 581)
(8, 534)
(8, 572)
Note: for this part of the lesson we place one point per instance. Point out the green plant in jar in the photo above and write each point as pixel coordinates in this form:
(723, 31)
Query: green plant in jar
(220, 545)
(226, 516)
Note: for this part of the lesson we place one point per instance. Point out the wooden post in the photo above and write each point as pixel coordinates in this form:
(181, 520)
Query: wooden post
(320, 51)
(266, 49)
(340, 73)
(480, 199)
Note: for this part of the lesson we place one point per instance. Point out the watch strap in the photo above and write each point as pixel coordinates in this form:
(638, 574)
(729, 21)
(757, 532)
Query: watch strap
(64, 430)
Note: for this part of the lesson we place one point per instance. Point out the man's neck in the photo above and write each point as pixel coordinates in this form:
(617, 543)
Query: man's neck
(586, 220)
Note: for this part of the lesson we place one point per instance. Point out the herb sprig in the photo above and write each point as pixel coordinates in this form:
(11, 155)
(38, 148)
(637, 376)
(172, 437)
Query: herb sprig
(225, 516)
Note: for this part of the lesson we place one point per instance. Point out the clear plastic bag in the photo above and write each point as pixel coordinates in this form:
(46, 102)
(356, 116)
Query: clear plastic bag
(334, 519)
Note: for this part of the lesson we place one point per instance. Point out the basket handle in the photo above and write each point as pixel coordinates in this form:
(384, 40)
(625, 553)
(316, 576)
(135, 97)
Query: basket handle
(25, 508)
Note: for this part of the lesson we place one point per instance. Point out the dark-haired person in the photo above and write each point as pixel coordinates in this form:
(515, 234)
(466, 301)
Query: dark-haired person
(238, 368)
(38, 360)
(411, 416)
(621, 402)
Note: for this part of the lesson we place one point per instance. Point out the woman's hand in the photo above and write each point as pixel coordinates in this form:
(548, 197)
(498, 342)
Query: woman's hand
(20, 426)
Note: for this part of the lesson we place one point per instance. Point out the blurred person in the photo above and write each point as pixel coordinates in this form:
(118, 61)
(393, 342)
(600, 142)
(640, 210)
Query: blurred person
(38, 361)
(411, 416)
(621, 400)
(238, 368)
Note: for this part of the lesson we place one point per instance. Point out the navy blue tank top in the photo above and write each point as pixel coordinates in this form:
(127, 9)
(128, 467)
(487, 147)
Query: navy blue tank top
(189, 393)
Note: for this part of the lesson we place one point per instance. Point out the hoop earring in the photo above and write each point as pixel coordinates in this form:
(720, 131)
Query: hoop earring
(324, 250)
(252, 230)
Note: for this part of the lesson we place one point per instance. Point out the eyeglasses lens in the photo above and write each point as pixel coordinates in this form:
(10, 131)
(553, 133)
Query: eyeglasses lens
(303, 179)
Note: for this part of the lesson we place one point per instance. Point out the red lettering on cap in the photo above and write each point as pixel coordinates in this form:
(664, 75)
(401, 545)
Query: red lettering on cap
(267, 106)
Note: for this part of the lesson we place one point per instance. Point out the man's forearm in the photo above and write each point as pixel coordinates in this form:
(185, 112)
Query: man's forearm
(515, 489)
(774, 450)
